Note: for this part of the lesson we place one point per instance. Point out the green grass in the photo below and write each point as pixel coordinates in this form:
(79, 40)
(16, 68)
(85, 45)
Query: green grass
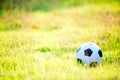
(42, 45)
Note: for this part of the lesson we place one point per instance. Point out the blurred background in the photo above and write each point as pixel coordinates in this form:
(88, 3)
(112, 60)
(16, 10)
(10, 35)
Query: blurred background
(19, 13)
(46, 5)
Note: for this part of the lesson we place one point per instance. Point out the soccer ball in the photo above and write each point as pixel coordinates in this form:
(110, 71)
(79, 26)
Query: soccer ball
(89, 54)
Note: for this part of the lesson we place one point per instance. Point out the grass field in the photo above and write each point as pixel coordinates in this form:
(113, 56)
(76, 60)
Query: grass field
(42, 45)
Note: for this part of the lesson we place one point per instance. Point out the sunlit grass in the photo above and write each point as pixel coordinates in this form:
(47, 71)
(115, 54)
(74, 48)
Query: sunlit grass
(43, 45)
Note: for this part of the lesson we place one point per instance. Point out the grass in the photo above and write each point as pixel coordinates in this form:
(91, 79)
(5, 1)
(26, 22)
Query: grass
(42, 45)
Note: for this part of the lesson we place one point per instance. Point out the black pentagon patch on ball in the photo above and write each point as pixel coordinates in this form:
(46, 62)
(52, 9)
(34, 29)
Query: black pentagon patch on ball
(79, 60)
(88, 52)
(100, 53)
